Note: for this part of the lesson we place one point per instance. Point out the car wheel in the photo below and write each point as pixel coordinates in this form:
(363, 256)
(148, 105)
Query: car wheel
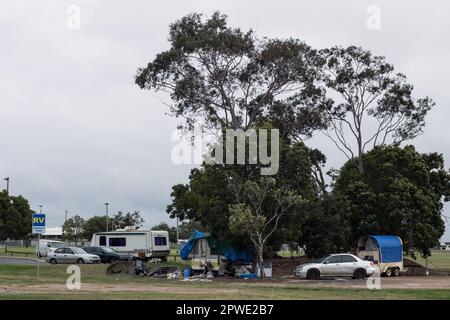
(359, 274)
(389, 272)
(396, 272)
(53, 261)
(313, 274)
(80, 261)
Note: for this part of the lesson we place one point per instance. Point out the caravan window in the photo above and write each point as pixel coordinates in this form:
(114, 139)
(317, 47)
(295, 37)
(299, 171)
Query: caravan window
(160, 241)
(117, 242)
(103, 240)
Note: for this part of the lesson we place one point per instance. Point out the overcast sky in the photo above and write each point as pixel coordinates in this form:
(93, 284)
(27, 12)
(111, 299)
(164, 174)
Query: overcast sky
(77, 132)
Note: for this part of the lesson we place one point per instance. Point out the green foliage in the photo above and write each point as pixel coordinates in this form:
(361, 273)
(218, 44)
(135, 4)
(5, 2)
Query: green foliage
(186, 228)
(120, 220)
(229, 78)
(400, 192)
(73, 229)
(242, 221)
(326, 229)
(260, 206)
(207, 197)
(15, 217)
(93, 225)
(371, 104)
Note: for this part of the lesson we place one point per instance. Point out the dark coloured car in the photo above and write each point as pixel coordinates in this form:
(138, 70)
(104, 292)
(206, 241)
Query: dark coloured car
(106, 254)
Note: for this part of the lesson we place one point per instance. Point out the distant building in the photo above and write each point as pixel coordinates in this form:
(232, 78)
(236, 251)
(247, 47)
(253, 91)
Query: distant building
(52, 233)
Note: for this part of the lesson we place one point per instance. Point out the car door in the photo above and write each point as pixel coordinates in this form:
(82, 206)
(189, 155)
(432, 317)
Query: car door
(348, 265)
(69, 256)
(332, 266)
(99, 252)
(59, 255)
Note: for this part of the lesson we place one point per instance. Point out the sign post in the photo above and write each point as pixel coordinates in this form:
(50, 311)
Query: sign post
(38, 226)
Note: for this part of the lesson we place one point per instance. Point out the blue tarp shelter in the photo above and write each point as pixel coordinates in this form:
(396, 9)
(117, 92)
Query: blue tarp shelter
(225, 250)
(391, 248)
(189, 245)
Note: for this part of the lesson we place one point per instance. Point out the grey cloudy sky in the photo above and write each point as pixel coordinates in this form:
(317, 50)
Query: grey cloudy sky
(76, 131)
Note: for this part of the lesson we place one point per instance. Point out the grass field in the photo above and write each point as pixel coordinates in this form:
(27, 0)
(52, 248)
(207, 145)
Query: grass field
(439, 260)
(19, 282)
(244, 294)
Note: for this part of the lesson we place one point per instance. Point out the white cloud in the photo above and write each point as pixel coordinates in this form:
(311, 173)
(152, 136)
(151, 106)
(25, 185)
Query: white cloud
(77, 132)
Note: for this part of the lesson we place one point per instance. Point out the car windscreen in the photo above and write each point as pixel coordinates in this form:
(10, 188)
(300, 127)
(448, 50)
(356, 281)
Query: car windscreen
(321, 260)
(109, 250)
(78, 250)
(56, 244)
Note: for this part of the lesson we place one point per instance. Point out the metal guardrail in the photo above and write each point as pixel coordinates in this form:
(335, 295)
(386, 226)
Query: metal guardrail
(11, 253)
(8, 251)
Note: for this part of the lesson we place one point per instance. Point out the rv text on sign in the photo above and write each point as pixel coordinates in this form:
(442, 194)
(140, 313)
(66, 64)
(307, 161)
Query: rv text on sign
(38, 223)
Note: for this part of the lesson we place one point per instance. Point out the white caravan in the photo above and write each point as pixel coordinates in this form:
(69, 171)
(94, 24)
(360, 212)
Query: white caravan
(141, 243)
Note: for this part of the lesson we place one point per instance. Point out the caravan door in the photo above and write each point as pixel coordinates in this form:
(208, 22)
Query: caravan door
(160, 245)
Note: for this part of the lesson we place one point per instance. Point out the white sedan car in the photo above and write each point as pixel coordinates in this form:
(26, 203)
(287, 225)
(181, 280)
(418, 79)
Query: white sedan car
(336, 265)
(71, 255)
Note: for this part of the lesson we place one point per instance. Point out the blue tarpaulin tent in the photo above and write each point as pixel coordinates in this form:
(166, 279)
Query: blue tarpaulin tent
(390, 248)
(227, 251)
(188, 246)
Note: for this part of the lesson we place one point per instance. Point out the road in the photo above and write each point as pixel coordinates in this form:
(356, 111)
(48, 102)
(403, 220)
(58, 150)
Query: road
(17, 261)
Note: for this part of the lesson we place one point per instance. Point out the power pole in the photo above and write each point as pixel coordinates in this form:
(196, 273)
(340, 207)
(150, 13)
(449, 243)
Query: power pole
(177, 233)
(7, 184)
(107, 217)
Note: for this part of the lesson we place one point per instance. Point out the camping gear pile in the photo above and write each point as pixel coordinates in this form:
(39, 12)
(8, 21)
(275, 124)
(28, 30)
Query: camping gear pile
(139, 268)
(207, 254)
(136, 267)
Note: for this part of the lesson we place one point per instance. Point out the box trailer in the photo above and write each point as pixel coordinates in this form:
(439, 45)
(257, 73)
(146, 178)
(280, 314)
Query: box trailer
(385, 251)
(140, 243)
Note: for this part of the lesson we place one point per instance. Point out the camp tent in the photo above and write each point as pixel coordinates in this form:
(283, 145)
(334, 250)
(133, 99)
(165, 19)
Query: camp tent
(204, 243)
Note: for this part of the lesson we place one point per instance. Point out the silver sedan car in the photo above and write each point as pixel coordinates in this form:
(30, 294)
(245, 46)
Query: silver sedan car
(336, 265)
(71, 255)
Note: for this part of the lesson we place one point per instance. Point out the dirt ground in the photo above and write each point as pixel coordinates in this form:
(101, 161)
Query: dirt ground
(100, 288)
(410, 282)
(403, 282)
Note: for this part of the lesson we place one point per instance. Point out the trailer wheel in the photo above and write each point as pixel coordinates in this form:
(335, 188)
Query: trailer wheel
(389, 272)
(396, 272)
